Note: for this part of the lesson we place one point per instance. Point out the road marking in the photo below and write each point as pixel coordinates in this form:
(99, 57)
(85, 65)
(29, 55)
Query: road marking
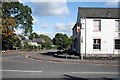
(95, 73)
(22, 71)
(12, 57)
(53, 62)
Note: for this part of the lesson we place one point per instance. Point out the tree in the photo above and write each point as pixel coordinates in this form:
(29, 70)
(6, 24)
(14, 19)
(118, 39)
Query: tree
(48, 41)
(7, 27)
(14, 15)
(7, 31)
(20, 13)
(33, 35)
(21, 37)
(62, 41)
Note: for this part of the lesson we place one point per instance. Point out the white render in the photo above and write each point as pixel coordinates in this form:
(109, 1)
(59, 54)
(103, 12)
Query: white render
(33, 43)
(107, 35)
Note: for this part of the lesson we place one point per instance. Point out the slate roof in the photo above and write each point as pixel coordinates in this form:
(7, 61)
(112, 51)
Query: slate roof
(38, 40)
(27, 40)
(112, 13)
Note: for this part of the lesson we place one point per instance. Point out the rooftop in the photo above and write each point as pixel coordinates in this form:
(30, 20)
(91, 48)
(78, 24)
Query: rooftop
(111, 13)
(38, 40)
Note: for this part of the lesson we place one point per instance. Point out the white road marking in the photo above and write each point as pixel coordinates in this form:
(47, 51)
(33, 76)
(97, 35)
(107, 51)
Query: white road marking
(22, 71)
(95, 73)
(12, 57)
(49, 61)
(53, 62)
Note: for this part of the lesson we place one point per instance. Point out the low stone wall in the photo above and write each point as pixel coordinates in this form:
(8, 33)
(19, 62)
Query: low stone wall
(102, 56)
(91, 57)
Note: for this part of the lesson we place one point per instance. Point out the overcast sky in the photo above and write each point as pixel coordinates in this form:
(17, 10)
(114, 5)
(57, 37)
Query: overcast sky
(53, 17)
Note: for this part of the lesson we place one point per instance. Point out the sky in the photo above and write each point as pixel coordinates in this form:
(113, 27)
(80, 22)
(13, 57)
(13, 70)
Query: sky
(59, 17)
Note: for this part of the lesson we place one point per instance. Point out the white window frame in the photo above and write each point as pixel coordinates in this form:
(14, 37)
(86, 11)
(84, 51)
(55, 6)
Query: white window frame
(97, 44)
(116, 44)
(117, 25)
(96, 25)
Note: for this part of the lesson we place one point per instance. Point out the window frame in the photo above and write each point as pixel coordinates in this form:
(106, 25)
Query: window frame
(96, 44)
(117, 27)
(97, 27)
(116, 44)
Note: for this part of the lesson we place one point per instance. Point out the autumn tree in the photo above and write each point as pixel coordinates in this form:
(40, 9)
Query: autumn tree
(14, 15)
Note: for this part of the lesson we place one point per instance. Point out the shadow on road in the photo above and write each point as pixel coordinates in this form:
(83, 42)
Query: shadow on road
(55, 54)
(69, 77)
(48, 53)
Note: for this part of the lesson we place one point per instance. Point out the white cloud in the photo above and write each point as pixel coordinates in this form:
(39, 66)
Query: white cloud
(64, 27)
(42, 0)
(35, 20)
(44, 25)
(50, 8)
(21, 1)
(112, 3)
(60, 26)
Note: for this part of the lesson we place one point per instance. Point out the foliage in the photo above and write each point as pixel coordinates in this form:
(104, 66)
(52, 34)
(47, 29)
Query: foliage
(14, 15)
(7, 27)
(20, 13)
(33, 35)
(62, 41)
(21, 37)
(48, 41)
(12, 43)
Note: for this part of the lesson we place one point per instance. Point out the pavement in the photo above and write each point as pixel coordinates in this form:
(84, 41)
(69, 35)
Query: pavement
(45, 57)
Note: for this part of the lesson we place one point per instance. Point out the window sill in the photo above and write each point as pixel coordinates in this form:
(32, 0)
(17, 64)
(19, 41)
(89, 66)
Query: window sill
(96, 49)
(96, 31)
(116, 49)
(117, 30)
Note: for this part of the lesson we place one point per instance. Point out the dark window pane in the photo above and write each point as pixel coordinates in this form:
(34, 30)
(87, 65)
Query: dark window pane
(117, 43)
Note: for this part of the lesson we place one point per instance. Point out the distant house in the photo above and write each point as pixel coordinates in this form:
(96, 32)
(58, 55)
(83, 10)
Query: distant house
(97, 31)
(35, 42)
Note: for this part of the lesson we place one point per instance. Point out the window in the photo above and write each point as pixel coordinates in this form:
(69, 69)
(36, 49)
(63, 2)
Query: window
(117, 43)
(97, 25)
(117, 25)
(97, 44)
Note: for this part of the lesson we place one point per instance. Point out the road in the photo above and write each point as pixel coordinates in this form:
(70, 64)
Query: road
(19, 66)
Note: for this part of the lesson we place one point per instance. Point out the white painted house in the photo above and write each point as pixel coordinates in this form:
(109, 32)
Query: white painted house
(97, 31)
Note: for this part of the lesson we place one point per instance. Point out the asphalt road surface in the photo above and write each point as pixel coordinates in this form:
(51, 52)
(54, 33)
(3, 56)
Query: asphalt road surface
(19, 66)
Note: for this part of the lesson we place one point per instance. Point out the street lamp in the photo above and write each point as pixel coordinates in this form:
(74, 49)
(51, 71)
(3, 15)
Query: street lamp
(79, 31)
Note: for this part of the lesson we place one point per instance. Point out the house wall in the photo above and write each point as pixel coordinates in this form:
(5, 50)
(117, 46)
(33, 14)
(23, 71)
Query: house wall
(76, 40)
(33, 43)
(107, 36)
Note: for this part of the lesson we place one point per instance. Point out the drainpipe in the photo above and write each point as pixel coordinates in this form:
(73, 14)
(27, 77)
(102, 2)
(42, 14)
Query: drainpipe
(85, 37)
(33, 41)
(81, 44)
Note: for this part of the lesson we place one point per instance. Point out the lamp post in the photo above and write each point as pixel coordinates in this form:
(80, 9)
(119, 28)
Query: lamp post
(83, 36)
(80, 32)
(33, 41)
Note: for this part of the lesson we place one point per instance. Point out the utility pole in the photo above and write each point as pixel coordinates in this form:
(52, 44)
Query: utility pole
(33, 41)
(85, 37)
(81, 42)
(79, 31)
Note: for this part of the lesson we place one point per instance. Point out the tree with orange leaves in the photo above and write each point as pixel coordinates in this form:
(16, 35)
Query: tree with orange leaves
(14, 15)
